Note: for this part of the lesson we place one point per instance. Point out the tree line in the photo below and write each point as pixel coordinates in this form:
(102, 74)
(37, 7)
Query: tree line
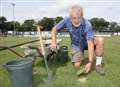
(99, 24)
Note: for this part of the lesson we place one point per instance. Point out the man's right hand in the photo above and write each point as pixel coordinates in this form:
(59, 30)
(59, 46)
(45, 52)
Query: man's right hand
(53, 46)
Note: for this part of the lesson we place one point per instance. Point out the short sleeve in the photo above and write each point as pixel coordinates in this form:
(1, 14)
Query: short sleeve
(89, 31)
(61, 24)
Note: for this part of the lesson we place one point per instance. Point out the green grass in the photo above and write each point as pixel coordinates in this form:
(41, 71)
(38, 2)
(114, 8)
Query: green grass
(65, 74)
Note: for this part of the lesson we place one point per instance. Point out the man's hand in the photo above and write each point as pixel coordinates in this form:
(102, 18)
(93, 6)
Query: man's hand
(53, 46)
(88, 67)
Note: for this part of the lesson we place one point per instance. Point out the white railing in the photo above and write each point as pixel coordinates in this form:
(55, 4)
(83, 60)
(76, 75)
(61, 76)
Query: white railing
(47, 34)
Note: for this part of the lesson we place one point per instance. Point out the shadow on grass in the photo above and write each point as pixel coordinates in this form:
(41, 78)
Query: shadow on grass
(53, 66)
(85, 61)
(38, 79)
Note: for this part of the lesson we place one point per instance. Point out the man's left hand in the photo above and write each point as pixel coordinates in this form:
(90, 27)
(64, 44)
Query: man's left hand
(88, 67)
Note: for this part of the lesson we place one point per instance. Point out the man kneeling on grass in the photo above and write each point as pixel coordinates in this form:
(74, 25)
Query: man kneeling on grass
(82, 38)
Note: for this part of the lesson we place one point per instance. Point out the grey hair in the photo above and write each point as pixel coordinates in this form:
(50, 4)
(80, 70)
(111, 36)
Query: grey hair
(76, 7)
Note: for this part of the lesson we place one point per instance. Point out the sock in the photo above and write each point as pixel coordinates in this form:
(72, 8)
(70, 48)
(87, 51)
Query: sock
(98, 60)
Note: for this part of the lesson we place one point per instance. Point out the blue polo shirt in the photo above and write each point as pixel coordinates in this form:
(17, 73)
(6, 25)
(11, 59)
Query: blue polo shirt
(79, 35)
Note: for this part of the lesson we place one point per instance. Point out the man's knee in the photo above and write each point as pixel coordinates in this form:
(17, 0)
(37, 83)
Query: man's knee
(99, 41)
(77, 65)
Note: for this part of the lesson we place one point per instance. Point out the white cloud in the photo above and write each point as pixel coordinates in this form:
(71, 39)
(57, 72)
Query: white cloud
(107, 9)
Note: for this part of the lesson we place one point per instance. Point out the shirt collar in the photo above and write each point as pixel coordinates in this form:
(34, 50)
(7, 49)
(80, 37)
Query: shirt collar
(82, 23)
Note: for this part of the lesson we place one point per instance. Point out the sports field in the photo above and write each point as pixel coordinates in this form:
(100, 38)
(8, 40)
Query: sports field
(65, 74)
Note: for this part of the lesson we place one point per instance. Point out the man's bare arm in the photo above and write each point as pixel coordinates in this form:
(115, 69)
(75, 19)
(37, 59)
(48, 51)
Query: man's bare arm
(90, 50)
(90, 55)
(54, 36)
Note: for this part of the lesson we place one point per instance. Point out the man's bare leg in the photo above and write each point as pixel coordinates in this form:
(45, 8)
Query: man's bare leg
(77, 65)
(99, 51)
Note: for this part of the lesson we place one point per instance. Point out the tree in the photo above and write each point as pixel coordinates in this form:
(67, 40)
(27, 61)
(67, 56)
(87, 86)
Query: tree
(117, 29)
(46, 23)
(3, 23)
(3, 27)
(113, 26)
(99, 24)
(2, 19)
(58, 19)
(27, 25)
(10, 26)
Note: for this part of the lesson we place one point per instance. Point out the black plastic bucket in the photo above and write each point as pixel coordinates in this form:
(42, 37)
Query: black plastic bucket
(21, 72)
(63, 54)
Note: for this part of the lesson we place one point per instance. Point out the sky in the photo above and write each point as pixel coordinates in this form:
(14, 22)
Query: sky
(37, 9)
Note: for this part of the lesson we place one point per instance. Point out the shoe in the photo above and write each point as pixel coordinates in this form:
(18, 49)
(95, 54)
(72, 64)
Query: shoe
(100, 70)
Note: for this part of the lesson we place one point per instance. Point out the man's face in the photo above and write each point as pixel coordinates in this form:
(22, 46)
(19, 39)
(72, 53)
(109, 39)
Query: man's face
(75, 17)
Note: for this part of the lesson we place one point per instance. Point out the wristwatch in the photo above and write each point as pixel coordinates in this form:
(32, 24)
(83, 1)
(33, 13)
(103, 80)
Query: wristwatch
(90, 62)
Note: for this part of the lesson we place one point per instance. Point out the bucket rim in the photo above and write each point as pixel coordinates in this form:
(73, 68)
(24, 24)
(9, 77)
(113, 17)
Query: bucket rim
(7, 65)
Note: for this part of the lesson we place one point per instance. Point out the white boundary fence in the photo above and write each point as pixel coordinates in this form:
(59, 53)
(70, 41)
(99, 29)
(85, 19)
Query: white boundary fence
(61, 34)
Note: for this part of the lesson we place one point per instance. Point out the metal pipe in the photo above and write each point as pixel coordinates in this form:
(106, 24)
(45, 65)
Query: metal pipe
(17, 45)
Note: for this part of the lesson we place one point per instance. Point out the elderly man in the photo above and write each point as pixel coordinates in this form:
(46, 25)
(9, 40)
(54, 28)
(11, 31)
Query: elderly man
(82, 38)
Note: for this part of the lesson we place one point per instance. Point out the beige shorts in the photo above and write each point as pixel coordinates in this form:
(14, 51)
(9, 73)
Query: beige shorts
(77, 55)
